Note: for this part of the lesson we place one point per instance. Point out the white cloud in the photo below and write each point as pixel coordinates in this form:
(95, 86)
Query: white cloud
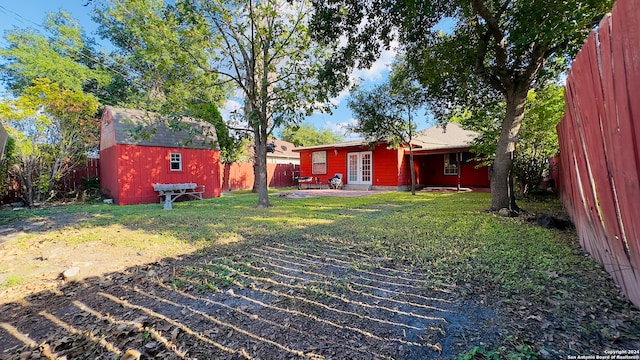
(375, 73)
(342, 128)
(378, 68)
(229, 107)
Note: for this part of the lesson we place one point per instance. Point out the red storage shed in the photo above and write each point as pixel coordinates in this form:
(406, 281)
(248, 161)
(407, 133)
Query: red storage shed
(140, 148)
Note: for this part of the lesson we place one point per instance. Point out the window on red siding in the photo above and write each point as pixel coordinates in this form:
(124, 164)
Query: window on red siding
(319, 162)
(175, 162)
(451, 164)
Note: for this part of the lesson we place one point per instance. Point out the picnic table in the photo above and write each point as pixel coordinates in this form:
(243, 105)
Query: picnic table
(171, 192)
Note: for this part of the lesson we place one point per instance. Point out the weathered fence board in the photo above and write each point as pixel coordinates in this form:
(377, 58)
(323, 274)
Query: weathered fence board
(600, 146)
(239, 176)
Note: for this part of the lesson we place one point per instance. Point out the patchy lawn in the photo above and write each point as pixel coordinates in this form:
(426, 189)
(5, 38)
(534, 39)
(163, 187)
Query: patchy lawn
(383, 276)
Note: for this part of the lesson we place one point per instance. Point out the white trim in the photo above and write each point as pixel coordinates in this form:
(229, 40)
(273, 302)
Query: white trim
(360, 168)
(175, 160)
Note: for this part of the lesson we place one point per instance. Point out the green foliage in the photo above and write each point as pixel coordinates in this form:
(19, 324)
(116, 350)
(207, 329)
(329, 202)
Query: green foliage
(309, 135)
(8, 160)
(495, 51)
(479, 353)
(522, 352)
(162, 53)
(192, 51)
(385, 113)
(232, 145)
(65, 56)
(54, 128)
(537, 139)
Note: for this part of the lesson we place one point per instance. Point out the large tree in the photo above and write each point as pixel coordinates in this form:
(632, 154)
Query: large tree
(465, 52)
(54, 129)
(260, 48)
(50, 117)
(60, 52)
(537, 140)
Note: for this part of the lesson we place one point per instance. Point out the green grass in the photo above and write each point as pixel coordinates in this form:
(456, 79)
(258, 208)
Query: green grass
(448, 235)
(12, 280)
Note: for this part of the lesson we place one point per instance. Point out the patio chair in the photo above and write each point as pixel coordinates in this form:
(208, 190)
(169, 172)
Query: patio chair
(336, 182)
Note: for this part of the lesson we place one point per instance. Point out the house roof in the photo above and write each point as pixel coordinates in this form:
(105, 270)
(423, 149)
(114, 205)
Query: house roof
(283, 149)
(452, 136)
(360, 142)
(433, 138)
(144, 128)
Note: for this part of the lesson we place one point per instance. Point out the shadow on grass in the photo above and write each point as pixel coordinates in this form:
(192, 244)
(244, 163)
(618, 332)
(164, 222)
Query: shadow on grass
(387, 276)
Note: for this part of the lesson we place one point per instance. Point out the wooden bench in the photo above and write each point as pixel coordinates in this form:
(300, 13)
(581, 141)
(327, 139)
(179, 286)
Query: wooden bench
(171, 192)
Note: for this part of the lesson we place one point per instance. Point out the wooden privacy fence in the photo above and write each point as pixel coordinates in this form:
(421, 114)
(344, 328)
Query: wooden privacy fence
(600, 146)
(239, 176)
(76, 178)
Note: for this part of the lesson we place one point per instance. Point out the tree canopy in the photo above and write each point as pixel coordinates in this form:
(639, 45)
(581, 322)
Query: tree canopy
(51, 118)
(496, 50)
(309, 135)
(65, 56)
(260, 49)
(386, 112)
(537, 140)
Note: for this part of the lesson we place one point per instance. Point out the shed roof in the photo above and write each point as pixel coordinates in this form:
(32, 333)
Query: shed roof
(145, 128)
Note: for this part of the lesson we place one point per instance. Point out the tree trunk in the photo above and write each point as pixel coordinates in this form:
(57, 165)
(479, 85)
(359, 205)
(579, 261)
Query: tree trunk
(502, 195)
(413, 171)
(261, 166)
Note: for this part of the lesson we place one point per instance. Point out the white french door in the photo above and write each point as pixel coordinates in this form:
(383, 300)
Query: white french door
(359, 168)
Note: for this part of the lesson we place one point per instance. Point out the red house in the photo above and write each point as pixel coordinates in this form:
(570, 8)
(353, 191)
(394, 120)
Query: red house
(441, 159)
(140, 148)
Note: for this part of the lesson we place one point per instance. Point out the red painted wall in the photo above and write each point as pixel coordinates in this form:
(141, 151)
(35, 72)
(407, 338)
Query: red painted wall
(391, 168)
(385, 164)
(431, 173)
(109, 172)
(137, 168)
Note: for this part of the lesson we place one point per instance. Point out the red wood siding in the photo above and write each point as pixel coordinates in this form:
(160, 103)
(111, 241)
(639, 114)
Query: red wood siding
(239, 176)
(431, 173)
(391, 168)
(139, 167)
(385, 164)
(600, 146)
(109, 173)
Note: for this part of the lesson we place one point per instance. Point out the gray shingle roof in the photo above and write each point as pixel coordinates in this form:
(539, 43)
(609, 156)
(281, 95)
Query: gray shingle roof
(433, 138)
(451, 137)
(144, 128)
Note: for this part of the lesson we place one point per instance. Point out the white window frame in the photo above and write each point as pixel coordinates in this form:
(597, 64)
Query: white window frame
(319, 162)
(450, 169)
(175, 158)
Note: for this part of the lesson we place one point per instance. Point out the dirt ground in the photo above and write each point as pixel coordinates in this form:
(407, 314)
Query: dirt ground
(266, 300)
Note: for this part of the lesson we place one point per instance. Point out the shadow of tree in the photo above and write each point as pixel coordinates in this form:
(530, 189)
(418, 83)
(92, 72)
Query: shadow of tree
(274, 300)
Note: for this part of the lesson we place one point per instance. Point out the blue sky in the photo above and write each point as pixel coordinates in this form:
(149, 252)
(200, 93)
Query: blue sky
(31, 13)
